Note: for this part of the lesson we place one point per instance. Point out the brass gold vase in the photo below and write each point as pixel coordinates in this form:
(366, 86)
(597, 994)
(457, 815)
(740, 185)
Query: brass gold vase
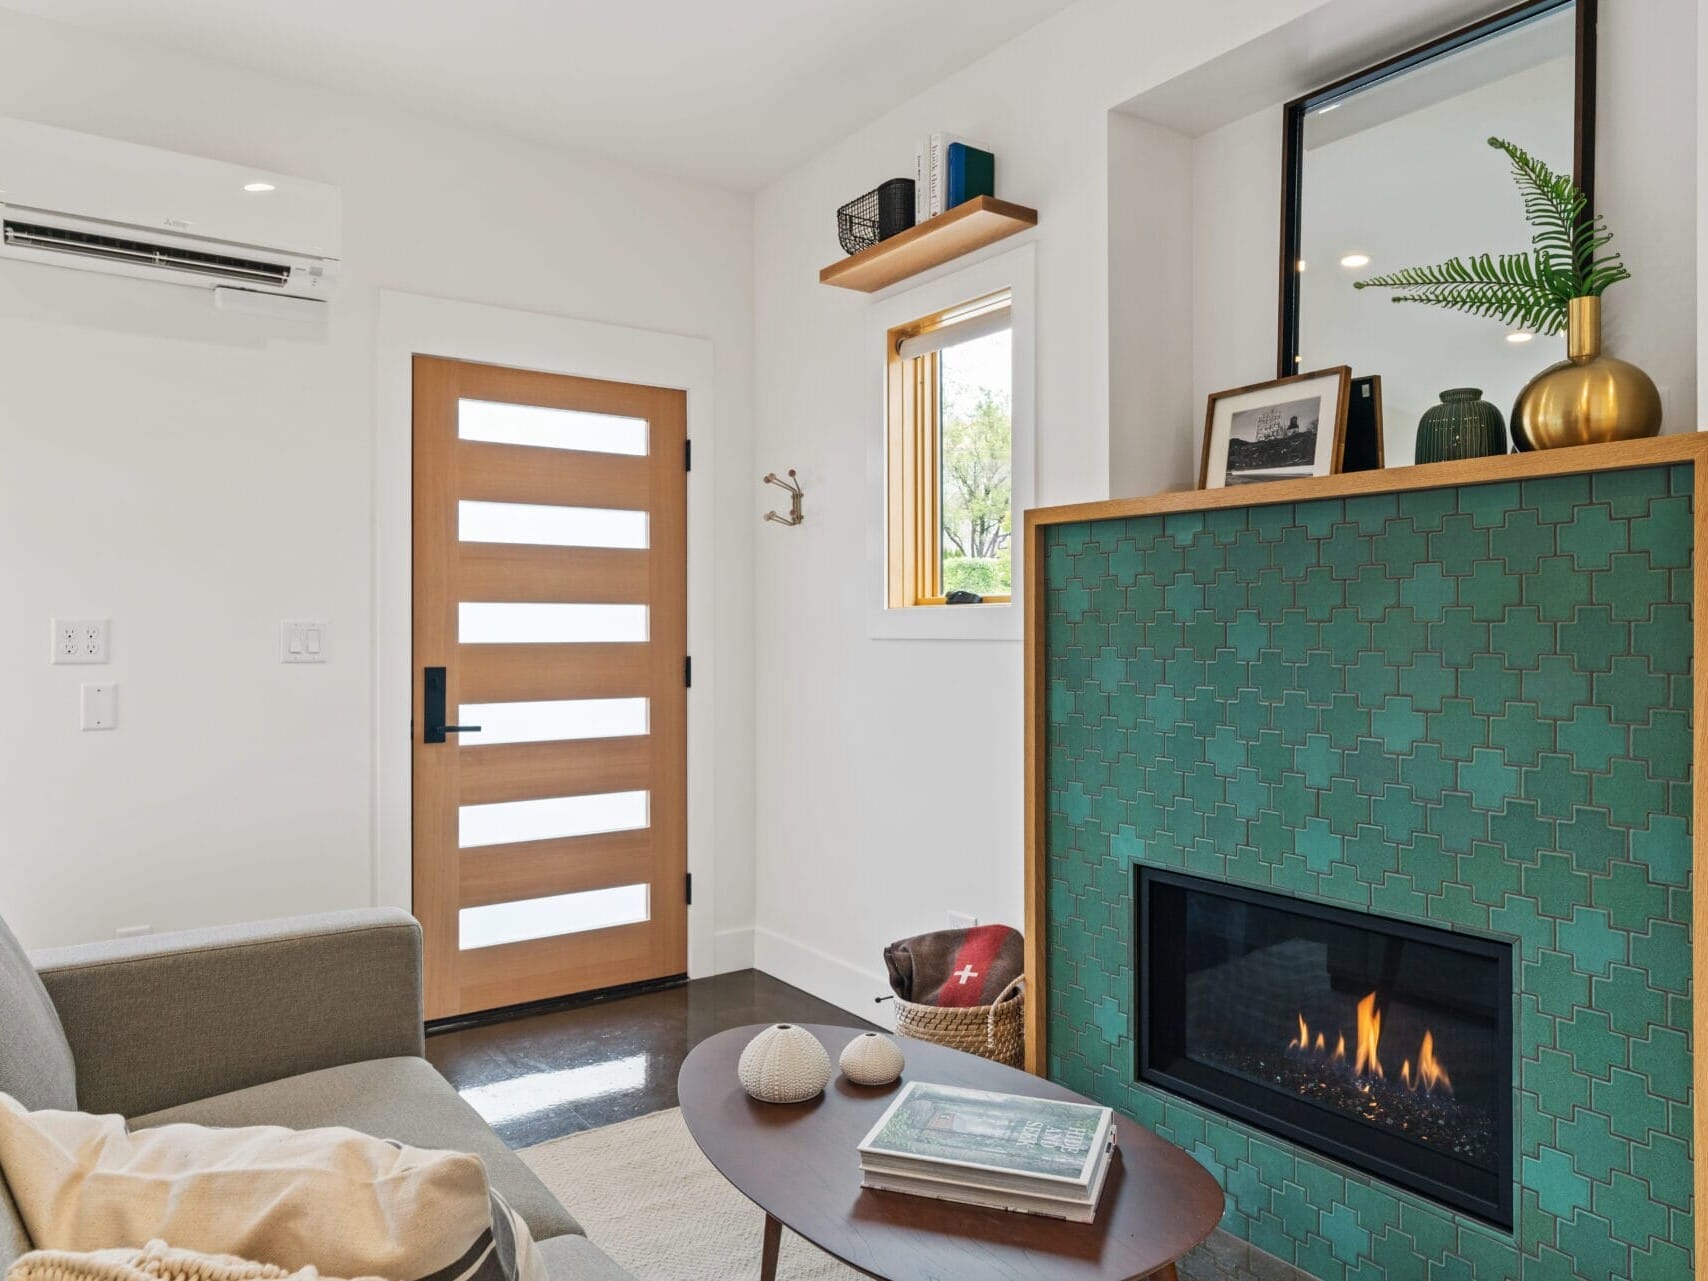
(1588, 397)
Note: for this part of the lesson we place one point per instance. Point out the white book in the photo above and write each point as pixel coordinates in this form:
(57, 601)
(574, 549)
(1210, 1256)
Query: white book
(994, 1183)
(936, 172)
(919, 192)
(1012, 1144)
(1075, 1211)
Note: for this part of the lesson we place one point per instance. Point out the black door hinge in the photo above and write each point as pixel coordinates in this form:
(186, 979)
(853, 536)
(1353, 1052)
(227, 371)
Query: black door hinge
(688, 672)
(688, 889)
(687, 455)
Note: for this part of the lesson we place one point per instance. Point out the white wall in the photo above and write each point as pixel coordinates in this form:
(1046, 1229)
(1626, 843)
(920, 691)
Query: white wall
(889, 773)
(199, 476)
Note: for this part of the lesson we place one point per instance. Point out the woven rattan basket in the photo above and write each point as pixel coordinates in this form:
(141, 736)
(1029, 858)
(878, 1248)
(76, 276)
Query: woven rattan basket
(990, 1031)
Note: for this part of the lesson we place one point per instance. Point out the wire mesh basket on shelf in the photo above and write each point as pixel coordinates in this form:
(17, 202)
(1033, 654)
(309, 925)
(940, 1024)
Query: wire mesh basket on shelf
(877, 215)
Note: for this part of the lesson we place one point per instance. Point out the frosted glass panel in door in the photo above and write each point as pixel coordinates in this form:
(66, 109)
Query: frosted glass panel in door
(540, 623)
(508, 822)
(502, 423)
(495, 924)
(533, 523)
(555, 720)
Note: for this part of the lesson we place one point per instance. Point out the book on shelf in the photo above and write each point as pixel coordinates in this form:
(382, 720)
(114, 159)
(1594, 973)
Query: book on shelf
(971, 172)
(948, 171)
(1006, 1151)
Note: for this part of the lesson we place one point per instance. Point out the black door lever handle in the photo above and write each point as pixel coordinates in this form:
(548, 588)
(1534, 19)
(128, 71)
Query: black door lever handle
(433, 728)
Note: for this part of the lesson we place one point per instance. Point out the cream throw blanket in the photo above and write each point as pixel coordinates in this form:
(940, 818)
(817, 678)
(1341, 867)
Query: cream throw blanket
(156, 1261)
(331, 1199)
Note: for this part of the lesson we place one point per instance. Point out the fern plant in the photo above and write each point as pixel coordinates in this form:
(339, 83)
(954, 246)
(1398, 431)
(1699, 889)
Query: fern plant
(1526, 290)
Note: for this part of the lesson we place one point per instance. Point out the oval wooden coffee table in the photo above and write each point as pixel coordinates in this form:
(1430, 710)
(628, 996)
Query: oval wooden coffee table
(800, 1164)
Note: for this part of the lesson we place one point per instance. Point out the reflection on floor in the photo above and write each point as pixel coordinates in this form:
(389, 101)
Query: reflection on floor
(546, 1075)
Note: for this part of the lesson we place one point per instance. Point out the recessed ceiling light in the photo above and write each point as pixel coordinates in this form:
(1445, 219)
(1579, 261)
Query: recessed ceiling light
(1301, 264)
(258, 186)
(1355, 260)
(1520, 335)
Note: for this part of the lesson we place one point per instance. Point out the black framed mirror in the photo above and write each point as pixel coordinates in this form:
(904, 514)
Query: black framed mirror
(1389, 168)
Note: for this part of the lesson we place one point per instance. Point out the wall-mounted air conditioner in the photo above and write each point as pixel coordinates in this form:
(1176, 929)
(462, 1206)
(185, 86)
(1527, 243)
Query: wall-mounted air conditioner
(75, 200)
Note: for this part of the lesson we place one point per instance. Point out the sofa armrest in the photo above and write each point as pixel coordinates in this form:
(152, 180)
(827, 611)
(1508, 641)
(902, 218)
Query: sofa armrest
(162, 1020)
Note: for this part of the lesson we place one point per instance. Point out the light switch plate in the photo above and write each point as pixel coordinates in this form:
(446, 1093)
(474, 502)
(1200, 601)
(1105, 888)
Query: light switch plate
(100, 706)
(82, 640)
(303, 640)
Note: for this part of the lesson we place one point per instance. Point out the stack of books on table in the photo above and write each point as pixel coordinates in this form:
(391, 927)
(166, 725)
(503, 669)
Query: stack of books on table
(1005, 1151)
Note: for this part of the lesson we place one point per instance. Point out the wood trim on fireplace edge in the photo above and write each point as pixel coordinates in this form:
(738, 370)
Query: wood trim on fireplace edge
(1625, 455)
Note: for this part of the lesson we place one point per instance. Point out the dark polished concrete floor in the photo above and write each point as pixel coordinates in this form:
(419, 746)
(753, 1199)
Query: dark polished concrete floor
(545, 1075)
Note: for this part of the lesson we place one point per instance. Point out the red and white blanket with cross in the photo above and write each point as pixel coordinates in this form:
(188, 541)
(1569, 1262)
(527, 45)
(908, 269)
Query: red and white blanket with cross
(955, 967)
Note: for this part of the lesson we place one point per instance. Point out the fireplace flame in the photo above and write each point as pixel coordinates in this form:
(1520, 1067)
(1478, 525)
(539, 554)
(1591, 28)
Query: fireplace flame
(1429, 1073)
(1428, 1076)
(1369, 1034)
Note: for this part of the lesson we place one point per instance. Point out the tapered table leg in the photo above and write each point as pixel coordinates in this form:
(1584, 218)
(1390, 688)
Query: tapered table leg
(774, 1243)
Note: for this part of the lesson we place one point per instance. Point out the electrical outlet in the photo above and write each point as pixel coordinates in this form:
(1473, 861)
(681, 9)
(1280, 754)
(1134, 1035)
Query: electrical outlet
(82, 640)
(132, 931)
(100, 707)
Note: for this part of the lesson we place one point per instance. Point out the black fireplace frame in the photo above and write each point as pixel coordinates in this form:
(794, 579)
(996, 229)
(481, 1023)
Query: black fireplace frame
(1429, 1172)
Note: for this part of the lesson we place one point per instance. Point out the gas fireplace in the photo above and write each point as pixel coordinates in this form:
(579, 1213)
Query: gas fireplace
(1379, 1043)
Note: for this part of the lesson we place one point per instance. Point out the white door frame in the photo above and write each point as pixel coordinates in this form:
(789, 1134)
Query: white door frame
(411, 324)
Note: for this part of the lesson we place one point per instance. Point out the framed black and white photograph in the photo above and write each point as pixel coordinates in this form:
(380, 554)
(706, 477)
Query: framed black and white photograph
(1279, 430)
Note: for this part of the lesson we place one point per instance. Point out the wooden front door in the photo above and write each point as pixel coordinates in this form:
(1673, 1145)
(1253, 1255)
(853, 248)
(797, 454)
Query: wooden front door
(550, 585)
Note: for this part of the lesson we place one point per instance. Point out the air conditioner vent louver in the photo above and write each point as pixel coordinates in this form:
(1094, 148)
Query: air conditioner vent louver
(140, 253)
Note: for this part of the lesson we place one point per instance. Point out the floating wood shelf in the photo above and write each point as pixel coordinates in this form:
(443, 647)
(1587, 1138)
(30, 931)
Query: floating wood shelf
(981, 221)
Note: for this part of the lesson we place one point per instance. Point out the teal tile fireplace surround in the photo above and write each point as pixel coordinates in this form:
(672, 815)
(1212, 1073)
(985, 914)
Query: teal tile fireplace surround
(1467, 706)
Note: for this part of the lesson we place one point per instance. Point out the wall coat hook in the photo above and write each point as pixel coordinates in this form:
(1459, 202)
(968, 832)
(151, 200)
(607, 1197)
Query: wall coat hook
(794, 517)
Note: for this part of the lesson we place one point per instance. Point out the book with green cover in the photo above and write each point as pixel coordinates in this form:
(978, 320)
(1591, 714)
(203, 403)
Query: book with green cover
(965, 1133)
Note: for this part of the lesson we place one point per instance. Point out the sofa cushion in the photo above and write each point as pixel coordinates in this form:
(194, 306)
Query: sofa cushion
(35, 1060)
(402, 1099)
(575, 1258)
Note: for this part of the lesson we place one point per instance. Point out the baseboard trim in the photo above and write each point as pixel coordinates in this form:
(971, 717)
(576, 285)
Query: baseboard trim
(827, 977)
(732, 950)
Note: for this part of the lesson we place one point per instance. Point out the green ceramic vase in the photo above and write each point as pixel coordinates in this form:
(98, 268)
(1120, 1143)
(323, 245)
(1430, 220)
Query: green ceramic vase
(1463, 425)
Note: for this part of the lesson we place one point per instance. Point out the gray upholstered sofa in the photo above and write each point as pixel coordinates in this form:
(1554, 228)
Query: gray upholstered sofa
(307, 1022)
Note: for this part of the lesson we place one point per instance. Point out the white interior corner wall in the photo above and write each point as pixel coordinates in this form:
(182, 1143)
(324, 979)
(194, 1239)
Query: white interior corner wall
(889, 770)
(199, 476)
(1152, 320)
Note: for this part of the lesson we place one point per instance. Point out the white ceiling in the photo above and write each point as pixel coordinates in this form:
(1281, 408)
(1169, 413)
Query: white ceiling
(733, 92)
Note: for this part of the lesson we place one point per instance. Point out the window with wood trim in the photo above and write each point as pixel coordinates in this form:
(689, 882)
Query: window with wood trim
(951, 456)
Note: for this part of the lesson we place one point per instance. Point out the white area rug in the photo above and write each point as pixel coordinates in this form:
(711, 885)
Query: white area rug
(651, 1201)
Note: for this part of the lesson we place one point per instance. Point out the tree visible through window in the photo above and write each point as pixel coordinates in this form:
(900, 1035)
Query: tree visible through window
(951, 456)
(976, 458)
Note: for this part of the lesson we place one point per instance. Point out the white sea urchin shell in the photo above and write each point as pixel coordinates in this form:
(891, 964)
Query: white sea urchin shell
(872, 1059)
(784, 1064)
